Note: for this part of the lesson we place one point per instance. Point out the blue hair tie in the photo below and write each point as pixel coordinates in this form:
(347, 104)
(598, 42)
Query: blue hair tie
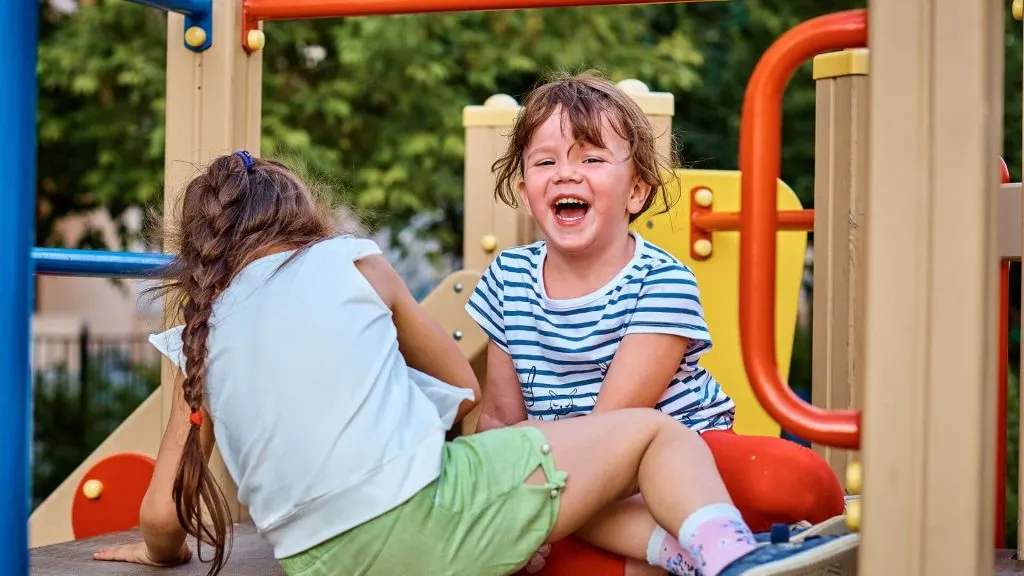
(247, 158)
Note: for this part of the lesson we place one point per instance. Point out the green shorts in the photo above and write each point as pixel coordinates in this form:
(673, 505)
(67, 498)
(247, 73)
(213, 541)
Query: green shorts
(478, 518)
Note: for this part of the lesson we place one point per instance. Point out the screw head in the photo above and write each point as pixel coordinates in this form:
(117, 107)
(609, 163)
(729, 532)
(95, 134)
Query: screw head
(457, 287)
(489, 243)
(457, 335)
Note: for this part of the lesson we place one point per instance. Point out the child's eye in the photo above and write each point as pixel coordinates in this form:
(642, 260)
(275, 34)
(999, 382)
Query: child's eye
(593, 159)
(544, 162)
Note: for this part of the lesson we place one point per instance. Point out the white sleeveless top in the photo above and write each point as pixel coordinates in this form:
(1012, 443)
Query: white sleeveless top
(320, 422)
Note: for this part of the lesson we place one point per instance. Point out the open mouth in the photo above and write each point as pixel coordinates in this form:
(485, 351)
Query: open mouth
(569, 210)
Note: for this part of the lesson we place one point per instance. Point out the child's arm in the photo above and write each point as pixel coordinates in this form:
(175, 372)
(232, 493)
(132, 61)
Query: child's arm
(643, 366)
(424, 344)
(163, 538)
(666, 325)
(503, 403)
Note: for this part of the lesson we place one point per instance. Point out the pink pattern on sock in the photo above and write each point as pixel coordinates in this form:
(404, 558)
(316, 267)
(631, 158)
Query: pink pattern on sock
(675, 559)
(719, 541)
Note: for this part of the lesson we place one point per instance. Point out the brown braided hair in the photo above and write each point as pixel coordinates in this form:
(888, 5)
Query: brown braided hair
(235, 211)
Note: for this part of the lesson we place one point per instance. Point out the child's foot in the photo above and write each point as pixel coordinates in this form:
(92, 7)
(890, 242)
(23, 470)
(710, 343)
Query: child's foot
(813, 556)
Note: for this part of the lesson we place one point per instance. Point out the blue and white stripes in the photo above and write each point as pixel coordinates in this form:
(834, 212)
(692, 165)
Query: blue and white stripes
(562, 348)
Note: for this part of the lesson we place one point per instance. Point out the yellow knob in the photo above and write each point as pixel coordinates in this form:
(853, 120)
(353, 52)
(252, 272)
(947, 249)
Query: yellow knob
(256, 40)
(1018, 9)
(853, 478)
(853, 515)
(92, 489)
(195, 36)
(489, 243)
(703, 197)
(702, 247)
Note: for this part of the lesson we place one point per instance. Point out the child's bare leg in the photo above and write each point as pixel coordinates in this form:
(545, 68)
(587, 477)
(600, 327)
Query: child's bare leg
(623, 527)
(638, 568)
(613, 455)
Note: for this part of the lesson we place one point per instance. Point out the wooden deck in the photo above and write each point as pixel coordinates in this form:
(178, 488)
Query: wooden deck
(250, 556)
(1006, 565)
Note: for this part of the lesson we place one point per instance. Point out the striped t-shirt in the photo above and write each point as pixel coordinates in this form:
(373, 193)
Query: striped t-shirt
(561, 349)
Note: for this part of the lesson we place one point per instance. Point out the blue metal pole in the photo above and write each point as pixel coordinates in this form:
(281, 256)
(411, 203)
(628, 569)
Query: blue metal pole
(98, 263)
(19, 19)
(187, 7)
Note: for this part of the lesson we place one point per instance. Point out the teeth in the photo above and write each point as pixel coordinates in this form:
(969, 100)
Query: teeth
(568, 201)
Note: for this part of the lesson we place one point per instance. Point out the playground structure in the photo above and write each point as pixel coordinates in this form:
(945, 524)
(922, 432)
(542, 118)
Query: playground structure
(906, 259)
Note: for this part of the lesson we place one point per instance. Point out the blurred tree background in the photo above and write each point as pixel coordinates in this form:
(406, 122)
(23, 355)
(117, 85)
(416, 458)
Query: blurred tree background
(375, 104)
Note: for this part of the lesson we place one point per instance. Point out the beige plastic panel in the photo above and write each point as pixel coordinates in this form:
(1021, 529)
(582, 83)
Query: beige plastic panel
(931, 267)
(840, 181)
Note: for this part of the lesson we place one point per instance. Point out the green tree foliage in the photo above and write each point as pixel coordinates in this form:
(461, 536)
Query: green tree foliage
(375, 103)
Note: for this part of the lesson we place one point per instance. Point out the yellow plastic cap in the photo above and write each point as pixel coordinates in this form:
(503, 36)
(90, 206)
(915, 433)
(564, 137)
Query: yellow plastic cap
(92, 489)
(195, 36)
(256, 40)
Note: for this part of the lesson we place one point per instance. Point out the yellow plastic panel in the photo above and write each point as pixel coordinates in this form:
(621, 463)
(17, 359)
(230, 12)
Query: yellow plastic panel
(718, 279)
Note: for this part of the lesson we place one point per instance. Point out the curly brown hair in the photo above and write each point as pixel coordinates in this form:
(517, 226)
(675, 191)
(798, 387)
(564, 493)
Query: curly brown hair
(236, 210)
(586, 99)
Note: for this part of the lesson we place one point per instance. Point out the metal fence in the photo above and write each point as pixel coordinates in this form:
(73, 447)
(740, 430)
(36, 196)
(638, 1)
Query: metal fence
(84, 386)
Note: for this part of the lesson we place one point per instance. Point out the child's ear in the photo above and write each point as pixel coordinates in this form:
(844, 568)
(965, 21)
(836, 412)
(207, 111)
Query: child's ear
(521, 191)
(638, 195)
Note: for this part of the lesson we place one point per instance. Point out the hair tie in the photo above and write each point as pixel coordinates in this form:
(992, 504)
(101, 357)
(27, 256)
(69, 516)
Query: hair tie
(196, 418)
(247, 158)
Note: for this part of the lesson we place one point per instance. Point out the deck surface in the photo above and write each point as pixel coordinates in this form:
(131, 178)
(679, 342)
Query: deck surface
(1007, 565)
(250, 555)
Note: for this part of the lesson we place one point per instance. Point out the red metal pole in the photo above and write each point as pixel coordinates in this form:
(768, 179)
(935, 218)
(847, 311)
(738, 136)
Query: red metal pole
(1001, 431)
(760, 156)
(306, 9)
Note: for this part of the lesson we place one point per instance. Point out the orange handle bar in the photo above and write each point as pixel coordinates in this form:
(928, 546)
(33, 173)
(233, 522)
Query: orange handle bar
(760, 136)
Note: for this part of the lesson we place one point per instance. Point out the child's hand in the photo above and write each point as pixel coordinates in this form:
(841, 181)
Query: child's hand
(536, 563)
(137, 553)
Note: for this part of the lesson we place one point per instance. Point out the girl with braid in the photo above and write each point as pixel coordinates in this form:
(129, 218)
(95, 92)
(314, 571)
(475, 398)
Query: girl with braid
(329, 392)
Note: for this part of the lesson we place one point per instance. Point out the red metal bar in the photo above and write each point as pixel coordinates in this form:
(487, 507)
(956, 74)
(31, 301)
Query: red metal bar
(799, 220)
(256, 11)
(306, 9)
(760, 136)
(1001, 431)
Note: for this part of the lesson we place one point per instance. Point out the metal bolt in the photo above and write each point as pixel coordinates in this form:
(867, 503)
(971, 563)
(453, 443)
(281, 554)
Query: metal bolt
(457, 335)
(458, 287)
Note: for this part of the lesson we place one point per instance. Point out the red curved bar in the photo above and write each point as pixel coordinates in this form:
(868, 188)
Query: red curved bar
(1004, 171)
(760, 140)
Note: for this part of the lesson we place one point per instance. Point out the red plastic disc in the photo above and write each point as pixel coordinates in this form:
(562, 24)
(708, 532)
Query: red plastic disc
(124, 479)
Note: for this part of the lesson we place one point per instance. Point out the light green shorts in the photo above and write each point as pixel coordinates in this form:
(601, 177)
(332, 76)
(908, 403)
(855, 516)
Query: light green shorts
(478, 518)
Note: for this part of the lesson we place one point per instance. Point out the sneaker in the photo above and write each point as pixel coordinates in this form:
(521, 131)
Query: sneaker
(782, 532)
(812, 556)
(834, 526)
